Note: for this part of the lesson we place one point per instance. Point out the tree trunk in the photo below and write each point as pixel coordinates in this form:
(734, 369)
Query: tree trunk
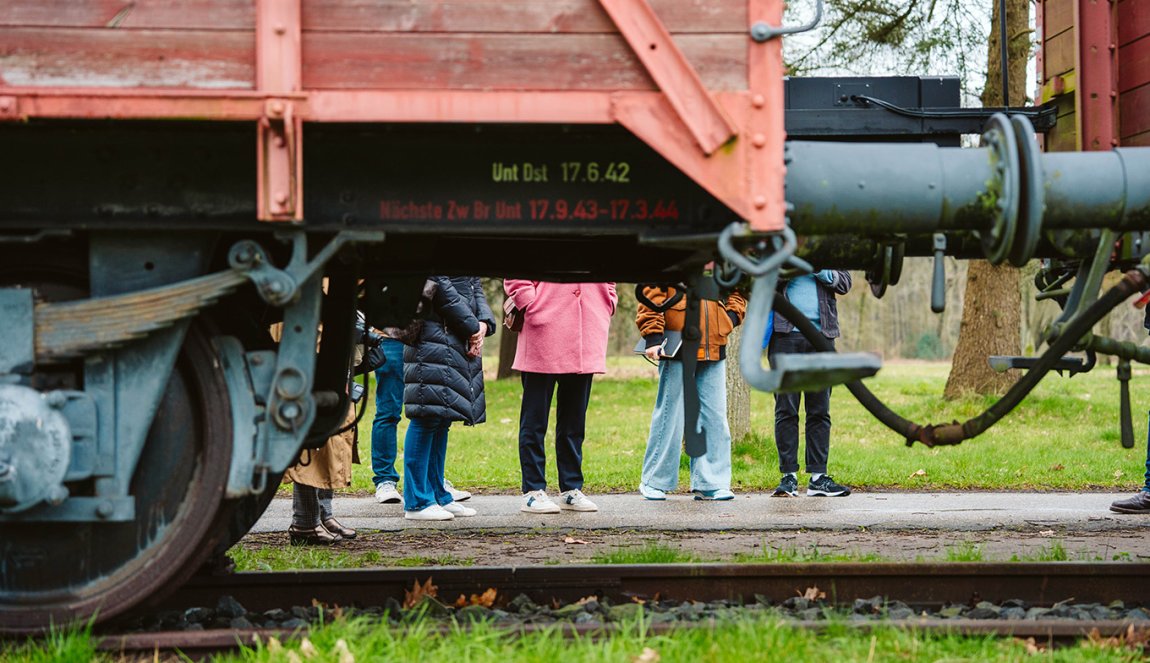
(738, 391)
(991, 314)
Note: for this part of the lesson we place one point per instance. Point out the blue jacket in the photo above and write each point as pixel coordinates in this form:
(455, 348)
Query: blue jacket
(828, 308)
(439, 379)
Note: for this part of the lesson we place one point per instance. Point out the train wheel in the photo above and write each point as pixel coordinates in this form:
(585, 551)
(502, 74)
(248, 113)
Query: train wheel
(53, 573)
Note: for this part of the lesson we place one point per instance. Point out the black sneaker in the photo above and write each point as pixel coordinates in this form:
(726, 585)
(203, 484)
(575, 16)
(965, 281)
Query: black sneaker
(1140, 503)
(825, 486)
(788, 487)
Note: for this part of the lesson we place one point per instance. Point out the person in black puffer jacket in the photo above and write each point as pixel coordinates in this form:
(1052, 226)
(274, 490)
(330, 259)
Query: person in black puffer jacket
(443, 383)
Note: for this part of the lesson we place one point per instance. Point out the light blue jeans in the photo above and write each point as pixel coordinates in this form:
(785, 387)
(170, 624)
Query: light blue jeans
(424, 453)
(712, 470)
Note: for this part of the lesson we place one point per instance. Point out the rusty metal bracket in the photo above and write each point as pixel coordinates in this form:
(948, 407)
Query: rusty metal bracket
(280, 179)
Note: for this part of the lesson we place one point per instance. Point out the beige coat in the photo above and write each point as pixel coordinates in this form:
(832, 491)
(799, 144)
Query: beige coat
(330, 465)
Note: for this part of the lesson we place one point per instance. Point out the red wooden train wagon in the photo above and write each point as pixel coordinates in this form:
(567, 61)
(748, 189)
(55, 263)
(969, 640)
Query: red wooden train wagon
(179, 175)
(1094, 64)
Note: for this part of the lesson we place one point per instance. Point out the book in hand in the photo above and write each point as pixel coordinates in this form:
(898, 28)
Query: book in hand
(672, 341)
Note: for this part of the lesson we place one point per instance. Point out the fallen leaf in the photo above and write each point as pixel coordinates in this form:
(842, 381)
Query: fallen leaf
(648, 655)
(917, 473)
(1032, 647)
(1046, 532)
(1057, 467)
(504, 420)
(636, 599)
(573, 540)
(587, 599)
(418, 591)
(1118, 474)
(345, 655)
(307, 648)
(814, 594)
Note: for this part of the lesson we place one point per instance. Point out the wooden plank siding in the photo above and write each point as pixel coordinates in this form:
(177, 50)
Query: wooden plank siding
(1057, 17)
(1133, 18)
(505, 61)
(361, 44)
(513, 16)
(87, 57)
(157, 14)
(1059, 55)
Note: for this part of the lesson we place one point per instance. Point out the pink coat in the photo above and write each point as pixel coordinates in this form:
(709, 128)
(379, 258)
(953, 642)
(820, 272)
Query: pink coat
(564, 325)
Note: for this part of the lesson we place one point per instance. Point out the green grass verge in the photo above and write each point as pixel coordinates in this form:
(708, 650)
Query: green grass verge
(752, 638)
(1064, 437)
(291, 558)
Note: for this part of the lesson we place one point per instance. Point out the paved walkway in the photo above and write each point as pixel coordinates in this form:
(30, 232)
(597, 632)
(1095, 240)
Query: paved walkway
(872, 511)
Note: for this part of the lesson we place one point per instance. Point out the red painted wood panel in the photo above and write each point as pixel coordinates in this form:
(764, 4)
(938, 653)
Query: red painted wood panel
(1141, 140)
(546, 16)
(506, 62)
(1059, 57)
(1134, 64)
(70, 57)
(1057, 17)
(1133, 20)
(180, 14)
(1134, 112)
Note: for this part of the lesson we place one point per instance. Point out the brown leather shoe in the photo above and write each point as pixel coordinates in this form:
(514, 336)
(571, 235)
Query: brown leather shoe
(335, 527)
(319, 536)
(1140, 503)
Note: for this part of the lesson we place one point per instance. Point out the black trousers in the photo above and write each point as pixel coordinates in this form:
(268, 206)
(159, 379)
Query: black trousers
(570, 426)
(818, 410)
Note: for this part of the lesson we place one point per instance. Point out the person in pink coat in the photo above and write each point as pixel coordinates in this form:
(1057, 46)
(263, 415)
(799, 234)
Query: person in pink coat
(562, 344)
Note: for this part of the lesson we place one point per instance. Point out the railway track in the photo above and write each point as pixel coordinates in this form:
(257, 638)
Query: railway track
(924, 587)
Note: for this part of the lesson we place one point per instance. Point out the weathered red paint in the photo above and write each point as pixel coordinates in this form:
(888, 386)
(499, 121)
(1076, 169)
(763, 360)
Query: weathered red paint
(1097, 75)
(281, 63)
(280, 143)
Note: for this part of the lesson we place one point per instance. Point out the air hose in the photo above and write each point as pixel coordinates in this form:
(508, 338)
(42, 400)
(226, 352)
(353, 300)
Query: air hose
(932, 435)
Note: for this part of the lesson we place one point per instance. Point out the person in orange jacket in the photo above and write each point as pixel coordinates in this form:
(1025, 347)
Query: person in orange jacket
(711, 472)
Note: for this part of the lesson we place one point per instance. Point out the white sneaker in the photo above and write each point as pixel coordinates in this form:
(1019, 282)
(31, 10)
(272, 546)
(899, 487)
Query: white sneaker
(433, 512)
(458, 510)
(457, 495)
(537, 502)
(575, 500)
(385, 493)
(653, 494)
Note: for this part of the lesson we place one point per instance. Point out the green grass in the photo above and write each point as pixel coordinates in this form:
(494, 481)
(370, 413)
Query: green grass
(791, 555)
(652, 553)
(745, 638)
(742, 639)
(966, 552)
(1064, 437)
(289, 558)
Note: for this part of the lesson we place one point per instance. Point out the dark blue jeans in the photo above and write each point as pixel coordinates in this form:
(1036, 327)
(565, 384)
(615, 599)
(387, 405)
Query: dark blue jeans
(424, 453)
(1146, 487)
(570, 426)
(818, 420)
(388, 408)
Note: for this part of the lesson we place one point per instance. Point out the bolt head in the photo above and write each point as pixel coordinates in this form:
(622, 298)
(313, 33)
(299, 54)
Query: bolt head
(760, 202)
(758, 101)
(290, 411)
(105, 509)
(276, 108)
(759, 140)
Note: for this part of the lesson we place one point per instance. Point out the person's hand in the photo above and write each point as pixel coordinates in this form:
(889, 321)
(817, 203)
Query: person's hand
(654, 352)
(475, 343)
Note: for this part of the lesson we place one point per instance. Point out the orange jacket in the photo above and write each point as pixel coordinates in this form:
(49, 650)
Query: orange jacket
(719, 318)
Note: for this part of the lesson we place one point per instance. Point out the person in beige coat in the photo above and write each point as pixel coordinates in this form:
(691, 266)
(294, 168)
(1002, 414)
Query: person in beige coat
(314, 479)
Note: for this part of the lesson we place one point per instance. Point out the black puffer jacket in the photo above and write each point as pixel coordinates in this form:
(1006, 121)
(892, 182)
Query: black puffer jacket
(439, 379)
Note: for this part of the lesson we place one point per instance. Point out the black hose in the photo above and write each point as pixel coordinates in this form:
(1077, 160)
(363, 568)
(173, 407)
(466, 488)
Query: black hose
(954, 433)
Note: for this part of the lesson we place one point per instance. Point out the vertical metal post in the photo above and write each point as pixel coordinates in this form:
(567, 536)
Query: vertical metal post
(1096, 99)
(1005, 53)
(279, 145)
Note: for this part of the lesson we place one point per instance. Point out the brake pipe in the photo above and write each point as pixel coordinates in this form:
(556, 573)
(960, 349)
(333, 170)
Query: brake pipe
(932, 435)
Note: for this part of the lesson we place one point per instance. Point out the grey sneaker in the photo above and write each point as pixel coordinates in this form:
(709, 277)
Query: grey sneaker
(825, 486)
(788, 487)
